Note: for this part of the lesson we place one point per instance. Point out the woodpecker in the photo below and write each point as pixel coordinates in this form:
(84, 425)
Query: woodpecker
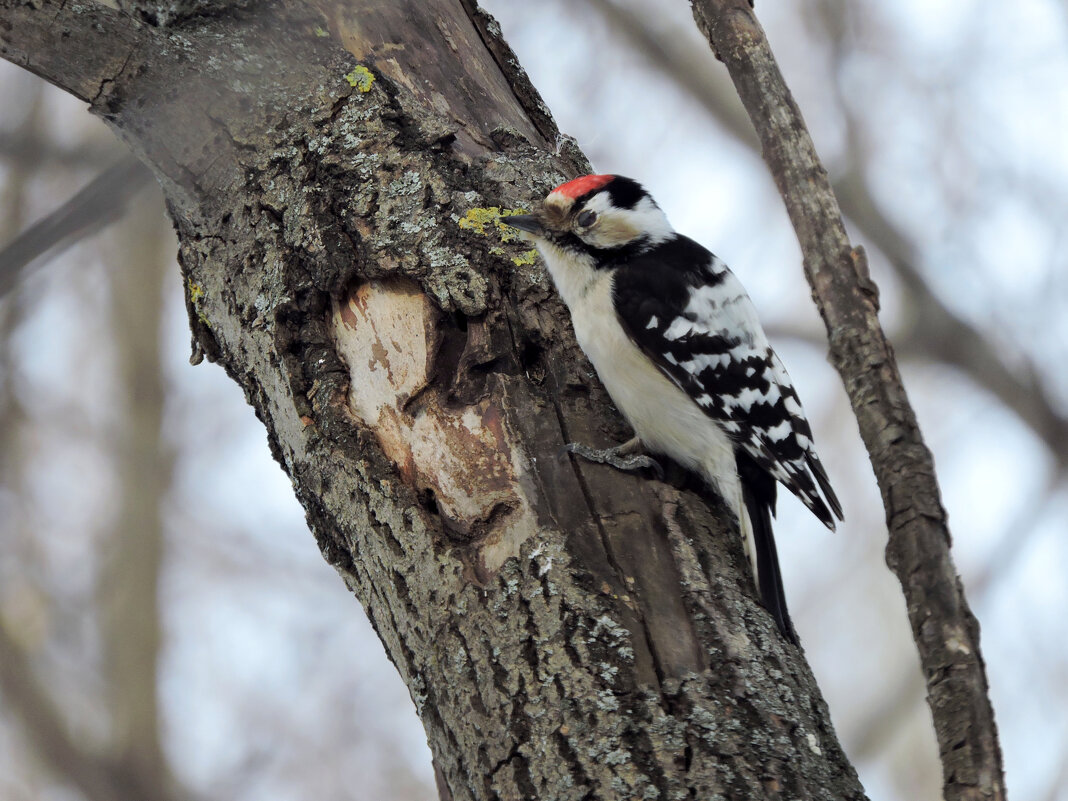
(678, 345)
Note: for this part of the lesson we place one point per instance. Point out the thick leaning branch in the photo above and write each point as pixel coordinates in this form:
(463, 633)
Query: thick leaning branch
(946, 632)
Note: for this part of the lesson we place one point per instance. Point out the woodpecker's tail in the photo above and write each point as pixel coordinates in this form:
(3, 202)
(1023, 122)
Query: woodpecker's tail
(758, 493)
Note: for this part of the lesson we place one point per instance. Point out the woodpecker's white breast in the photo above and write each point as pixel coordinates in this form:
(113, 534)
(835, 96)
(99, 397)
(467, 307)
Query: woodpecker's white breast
(665, 418)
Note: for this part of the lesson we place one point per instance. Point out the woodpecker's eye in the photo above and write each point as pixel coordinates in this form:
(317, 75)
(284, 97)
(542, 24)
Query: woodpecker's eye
(586, 219)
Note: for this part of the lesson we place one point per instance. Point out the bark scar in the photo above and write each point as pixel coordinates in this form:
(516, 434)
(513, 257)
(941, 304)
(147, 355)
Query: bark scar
(388, 334)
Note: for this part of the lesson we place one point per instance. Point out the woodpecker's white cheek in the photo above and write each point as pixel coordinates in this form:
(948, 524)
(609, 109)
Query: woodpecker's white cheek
(647, 217)
(617, 227)
(611, 232)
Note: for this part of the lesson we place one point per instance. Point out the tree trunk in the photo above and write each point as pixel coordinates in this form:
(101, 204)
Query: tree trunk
(566, 631)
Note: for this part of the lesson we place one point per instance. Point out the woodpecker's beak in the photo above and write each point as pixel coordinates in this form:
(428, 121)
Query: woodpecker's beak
(525, 222)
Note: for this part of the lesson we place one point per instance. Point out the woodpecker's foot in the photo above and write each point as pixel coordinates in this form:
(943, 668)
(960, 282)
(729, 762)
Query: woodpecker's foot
(621, 457)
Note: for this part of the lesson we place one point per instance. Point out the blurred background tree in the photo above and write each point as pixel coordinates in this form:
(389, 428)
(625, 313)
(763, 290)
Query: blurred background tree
(137, 637)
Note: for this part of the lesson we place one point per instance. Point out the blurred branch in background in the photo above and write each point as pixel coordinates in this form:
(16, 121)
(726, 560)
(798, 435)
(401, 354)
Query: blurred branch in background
(22, 693)
(685, 64)
(46, 731)
(101, 202)
(932, 328)
(12, 201)
(938, 333)
(127, 765)
(131, 766)
(937, 330)
(871, 735)
(128, 588)
(18, 148)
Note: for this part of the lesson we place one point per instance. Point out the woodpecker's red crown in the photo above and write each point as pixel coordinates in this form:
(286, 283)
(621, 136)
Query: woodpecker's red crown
(582, 185)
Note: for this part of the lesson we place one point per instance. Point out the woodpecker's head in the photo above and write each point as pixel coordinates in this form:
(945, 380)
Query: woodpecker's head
(604, 215)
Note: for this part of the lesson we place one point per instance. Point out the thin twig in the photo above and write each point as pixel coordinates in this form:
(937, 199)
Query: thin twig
(945, 631)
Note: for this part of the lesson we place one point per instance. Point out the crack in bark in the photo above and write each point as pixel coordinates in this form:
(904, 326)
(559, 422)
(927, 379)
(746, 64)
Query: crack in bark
(523, 91)
(112, 79)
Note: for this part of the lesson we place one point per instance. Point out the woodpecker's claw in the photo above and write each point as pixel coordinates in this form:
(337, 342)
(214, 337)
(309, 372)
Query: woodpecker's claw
(617, 457)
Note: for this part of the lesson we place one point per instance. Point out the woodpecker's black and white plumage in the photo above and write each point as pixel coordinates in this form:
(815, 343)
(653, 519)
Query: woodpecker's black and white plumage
(677, 343)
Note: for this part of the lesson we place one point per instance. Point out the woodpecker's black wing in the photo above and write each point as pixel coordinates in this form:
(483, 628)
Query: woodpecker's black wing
(689, 314)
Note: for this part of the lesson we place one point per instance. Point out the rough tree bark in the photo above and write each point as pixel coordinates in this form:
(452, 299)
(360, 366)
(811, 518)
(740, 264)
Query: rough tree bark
(918, 549)
(566, 631)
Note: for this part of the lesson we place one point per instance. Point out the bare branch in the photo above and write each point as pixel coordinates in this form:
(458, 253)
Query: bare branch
(946, 632)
